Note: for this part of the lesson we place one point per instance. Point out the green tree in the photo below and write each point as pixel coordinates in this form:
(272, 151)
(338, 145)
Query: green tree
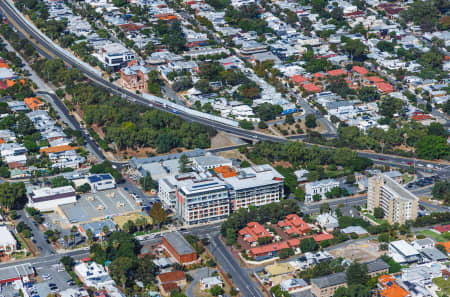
(355, 48)
(68, 262)
(316, 197)
(216, 290)
(432, 147)
(441, 191)
(184, 164)
(310, 121)
(246, 125)
(378, 213)
(12, 196)
(158, 213)
(84, 188)
(122, 269)
(308, 245)
(147, 182)
(357, 274)
(60, 181)
(285, 253)
(437, 129)
(424, 14)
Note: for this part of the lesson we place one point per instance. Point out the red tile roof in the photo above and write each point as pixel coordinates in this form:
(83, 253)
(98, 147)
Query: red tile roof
(293, 224)
(322, 237)
(265, 249)
(299, 79)
(312, 88)
(172, 276)
(253, 231)
(33, 103)
(337, 72)
(58, 149)
(390, 288)
(169, 287)
(319, 75)
(360, 70)
(421, 117)
(375, 79)
(385, 87)
(442, 228)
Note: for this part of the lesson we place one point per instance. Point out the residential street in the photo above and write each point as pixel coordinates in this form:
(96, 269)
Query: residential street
(240, 277)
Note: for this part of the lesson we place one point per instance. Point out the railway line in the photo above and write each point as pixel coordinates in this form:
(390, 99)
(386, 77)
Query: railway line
(51, 49)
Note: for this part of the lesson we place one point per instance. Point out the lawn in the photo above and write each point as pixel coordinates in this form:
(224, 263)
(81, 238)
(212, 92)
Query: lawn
(434, 235)
(379, 221)
(443, 284)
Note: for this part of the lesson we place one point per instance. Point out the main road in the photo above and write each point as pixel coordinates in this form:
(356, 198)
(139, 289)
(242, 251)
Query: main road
(51, 50)
(34, 35)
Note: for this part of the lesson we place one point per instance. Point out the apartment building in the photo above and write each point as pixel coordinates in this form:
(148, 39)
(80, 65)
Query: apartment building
(399, 204)
(202, 198)
(257, 185)
(115, 55)
(326, 286)
(215, 188)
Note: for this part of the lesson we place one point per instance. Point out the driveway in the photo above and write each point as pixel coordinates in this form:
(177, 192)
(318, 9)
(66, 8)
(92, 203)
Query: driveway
(197, 275)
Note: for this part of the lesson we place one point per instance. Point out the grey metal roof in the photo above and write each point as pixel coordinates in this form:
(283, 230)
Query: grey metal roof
(376, 265)
(179, 243)
(433, 254)
(190, 154)
(330, 280)
(16, 271)
(424, 241)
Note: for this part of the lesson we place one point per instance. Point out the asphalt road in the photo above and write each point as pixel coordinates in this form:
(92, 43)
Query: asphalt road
(18, 21)
(240, 277)
(40, 241)
(73, 123)
(333, 203)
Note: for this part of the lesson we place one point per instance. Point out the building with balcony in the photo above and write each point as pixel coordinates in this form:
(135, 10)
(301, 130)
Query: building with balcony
(399, 204)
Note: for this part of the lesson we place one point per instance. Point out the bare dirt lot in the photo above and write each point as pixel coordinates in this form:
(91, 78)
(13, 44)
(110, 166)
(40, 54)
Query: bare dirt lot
(362, 251)
(221, 140)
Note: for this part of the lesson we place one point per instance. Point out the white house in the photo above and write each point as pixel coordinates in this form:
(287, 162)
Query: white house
(207, 283)
(319, 187)
(421, 244)
(327, 221)
(93, 275)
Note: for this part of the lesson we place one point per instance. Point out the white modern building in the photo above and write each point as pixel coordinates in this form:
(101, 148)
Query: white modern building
(202, 198)
(421, 275)
(93, 275)
(100, 182)
(115, 55)
(402, 252)
(8, 243)
(319, 187)
(204, 163)
(45, 199)
(257, 185)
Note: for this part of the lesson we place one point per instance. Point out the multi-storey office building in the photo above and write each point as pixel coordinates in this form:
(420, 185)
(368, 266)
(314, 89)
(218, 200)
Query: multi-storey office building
(202, 199)
(210, 196)
(258, 185)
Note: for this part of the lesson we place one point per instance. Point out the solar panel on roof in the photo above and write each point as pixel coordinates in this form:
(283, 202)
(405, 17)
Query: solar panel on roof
(204, 185)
